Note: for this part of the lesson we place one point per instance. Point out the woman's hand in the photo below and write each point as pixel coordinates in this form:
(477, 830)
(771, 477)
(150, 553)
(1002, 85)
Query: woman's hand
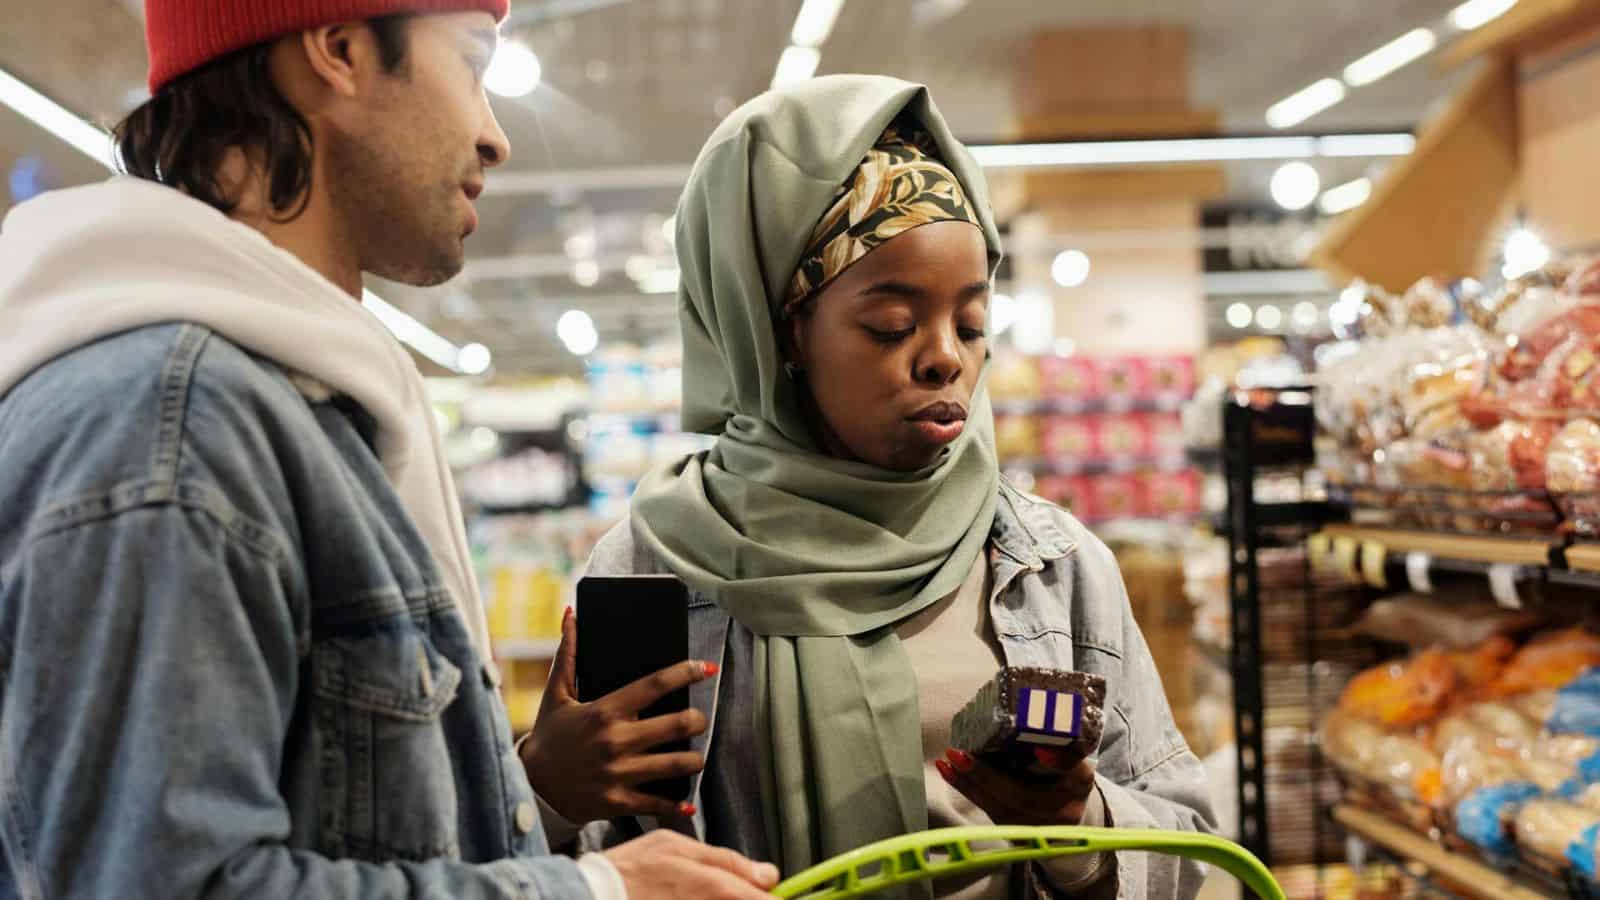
(586, 760)
(1011, 801)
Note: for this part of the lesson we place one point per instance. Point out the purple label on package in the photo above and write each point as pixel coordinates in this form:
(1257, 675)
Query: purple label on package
(1048, 717)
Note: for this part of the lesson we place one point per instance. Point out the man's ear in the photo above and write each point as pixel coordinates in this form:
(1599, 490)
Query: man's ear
(335, 55)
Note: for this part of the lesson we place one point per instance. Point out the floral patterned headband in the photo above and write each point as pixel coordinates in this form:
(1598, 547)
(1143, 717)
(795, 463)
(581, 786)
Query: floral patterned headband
(899, 186)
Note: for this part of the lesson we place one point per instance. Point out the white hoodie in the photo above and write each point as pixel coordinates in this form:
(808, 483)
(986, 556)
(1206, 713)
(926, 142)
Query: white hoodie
(82, 264)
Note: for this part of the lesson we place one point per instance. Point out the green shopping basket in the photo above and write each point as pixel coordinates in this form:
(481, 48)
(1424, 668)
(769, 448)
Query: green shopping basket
(949, 851)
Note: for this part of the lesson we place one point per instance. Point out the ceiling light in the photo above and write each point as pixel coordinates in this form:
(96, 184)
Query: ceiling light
(482, 439)
(1070, 268)
(576, 330)
(1185, 150)
(796, 65)
(1034, 328)
(1239, 315)
(56, 119)
(661, 281)
(586, 272)
(1306, 315)
(1002, 313)
(1476, 13)
(815, 22)
(1398, 53)
(473, 359)
(1295, 185)
(413, 333)
(1345, 197)
(1524, 252)
(1300, 106)
(581, 245)
(1269, 317)
(514, 71)
(639, 267)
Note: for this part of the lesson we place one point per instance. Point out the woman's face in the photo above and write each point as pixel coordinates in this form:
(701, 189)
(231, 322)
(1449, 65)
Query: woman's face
(892, 349)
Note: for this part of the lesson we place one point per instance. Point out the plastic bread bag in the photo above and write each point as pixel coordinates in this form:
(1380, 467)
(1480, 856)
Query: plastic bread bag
(1351, 743)
(1512, 456)
(1552, 660)
(1402, 694)
(1400, 761)
(1454, 622)
(1549, 826)
(1572, 462)
(1467, 768)
(1485, 816)
(1576, 707)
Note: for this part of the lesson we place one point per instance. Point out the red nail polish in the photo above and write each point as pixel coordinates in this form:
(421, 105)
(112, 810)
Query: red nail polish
(711, 669)
(944, 769)
(962, 761)
(687, 810)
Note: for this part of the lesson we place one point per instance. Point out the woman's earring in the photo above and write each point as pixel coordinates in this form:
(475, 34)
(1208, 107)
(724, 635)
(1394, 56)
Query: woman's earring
(794, 372)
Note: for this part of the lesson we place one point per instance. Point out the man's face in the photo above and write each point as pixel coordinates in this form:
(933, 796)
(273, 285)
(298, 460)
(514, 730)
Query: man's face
(405, 164)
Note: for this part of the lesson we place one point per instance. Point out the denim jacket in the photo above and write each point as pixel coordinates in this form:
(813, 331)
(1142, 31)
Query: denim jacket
(227, 665)
(1058, 601)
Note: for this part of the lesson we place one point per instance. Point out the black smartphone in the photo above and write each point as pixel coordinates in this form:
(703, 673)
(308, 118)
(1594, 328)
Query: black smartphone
(628, 627)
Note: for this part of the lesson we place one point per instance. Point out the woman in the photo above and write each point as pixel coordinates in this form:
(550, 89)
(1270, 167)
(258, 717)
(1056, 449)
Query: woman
(858, 564)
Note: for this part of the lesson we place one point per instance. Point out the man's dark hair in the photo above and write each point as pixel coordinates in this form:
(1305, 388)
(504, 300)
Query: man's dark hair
(180, 136)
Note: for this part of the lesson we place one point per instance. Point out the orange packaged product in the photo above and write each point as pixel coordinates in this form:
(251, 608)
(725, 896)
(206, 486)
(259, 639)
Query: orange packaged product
(1550, 661)
(1403, 694)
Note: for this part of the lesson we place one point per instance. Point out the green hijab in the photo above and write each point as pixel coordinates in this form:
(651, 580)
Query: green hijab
(817, 556)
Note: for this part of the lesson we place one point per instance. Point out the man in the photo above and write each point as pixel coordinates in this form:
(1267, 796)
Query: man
(241, 650)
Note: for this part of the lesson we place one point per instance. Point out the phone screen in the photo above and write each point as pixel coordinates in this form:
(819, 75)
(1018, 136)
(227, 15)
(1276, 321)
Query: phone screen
(629, 627)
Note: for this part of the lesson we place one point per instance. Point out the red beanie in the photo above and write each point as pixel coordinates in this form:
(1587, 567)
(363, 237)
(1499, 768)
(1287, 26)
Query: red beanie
(184, 35)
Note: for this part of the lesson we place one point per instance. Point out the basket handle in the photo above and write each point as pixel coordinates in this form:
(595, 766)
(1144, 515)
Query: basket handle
(950, 851)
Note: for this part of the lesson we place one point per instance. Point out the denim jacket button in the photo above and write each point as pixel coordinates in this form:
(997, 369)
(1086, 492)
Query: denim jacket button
(527, 817)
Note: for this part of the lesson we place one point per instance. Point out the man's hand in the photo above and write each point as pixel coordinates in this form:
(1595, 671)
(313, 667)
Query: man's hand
(1010, 801)
(587, 759)
(665, 865)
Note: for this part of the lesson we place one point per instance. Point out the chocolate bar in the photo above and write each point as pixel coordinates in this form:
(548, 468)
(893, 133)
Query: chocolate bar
(1023, 708)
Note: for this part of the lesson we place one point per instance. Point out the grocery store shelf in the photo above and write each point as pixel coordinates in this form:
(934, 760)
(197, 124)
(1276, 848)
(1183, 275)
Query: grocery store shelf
(1466, 875)
(1164, 403)
(1175, 462)
(1466, 548)
(1584, 558)
(526, 648)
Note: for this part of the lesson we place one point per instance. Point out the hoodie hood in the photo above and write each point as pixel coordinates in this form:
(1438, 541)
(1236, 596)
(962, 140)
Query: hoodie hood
(86, 263)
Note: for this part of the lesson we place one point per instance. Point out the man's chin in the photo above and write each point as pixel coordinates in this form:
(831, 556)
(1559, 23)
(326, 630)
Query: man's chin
(432, 273)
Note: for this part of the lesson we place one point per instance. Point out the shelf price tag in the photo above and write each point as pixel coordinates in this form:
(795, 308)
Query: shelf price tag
(1503, 584)
(1373, 557)
(1320, 547)
(1417, 572)
(1345, 550)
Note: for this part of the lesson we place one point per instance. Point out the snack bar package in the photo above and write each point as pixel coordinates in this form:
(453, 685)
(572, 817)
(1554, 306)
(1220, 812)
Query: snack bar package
(1024, 708)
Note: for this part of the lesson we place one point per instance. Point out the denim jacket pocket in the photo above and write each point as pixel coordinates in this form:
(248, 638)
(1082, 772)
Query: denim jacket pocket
(387, 779)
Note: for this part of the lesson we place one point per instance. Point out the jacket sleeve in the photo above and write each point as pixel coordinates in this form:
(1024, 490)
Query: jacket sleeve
(151, 676)
(1156, 782)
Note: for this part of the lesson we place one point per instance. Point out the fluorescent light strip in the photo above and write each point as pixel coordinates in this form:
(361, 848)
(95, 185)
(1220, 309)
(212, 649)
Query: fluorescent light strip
(1395, 55)
(1477, 13)
(414, 333)
(796, 65)
(1345, 197)
(815, 22)
(56, 119)
(1305, 103)
(1123, 153)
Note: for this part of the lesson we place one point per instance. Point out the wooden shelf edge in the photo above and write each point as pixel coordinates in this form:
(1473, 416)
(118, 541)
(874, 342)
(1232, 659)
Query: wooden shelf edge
(1462, 872)
(1471, 548)
(1584, 558)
